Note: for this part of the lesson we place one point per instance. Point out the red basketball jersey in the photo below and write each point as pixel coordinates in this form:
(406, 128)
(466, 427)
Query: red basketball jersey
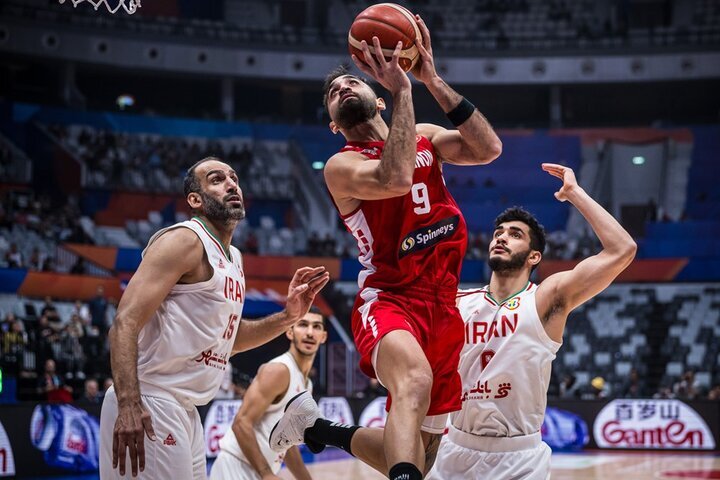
(418, 238)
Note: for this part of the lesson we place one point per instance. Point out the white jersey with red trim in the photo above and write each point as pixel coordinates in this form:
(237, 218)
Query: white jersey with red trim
(186, 346)
(298, 383)
(505, 364)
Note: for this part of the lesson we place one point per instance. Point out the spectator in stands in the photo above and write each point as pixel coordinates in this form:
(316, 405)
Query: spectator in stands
(71, 352)
(111, 311)
(79, 267)
(45, 336)
(633, 387)
(98, 308)
(49, 265)
(569, 388)
(94, 347)
(82, 311)
(314, 245)
(14, 257)
(687, 386)
(664, 392)
(51, 386)
(91, 395)
(714, 393)
(598, 389)
(13, 345)
(50, 311)
(37, 260)
(7, 323)
(328, 246)
(107, 384)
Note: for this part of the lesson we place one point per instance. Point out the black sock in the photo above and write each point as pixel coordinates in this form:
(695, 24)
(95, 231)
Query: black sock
(325, 432)
(404, 471)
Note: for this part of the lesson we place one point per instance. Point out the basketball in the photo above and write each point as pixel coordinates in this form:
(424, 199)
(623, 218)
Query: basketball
(391, 23)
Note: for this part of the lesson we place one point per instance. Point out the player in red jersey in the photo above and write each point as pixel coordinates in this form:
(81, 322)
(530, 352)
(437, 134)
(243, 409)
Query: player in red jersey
(387, 186)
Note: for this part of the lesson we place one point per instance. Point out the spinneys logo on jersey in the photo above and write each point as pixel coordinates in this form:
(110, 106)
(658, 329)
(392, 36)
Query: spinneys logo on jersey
(407, 244)
(428, 236)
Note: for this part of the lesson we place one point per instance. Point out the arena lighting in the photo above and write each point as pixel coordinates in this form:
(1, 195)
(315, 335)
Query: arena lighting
(318, 165)
(638, 160)
(124, 101)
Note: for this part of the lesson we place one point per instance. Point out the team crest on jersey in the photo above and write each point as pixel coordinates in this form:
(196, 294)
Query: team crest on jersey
(513, 304)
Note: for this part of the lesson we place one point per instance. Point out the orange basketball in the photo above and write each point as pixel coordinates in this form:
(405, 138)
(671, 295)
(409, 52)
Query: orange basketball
(391, 23)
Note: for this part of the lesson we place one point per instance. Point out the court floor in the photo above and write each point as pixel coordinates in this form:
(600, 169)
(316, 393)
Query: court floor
(337, 465)
(570, 466)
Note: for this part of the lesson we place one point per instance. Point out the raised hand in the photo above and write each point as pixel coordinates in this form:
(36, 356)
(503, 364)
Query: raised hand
(386, 73)
(424, 69)
(567, 176)
(305, 284)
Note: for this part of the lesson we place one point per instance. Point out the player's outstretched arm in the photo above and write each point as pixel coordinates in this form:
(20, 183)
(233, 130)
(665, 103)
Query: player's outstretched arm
(305, 284)
(168, 259)
(562, 292)
(270, 383)
(294, 462)
(475, 141)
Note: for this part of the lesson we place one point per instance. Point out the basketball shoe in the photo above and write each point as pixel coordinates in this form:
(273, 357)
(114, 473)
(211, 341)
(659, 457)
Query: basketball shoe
(301, 413)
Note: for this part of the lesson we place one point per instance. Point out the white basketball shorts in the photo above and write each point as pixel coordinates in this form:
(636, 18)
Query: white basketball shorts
(229, 467)
(463, 456)
(178, 450)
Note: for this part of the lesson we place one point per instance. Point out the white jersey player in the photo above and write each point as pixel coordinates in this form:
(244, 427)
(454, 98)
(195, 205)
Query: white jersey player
(513, 330)
(245, 453)
(176, 327)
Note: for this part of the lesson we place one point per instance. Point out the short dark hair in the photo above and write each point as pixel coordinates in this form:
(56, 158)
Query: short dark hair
(191, 184)
(339, 71)
(537, 231)
(315, 310)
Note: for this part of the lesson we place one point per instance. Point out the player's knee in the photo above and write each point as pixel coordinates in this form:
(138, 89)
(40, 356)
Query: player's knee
(414, 389)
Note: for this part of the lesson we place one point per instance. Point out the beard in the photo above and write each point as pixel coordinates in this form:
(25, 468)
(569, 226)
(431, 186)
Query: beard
(298, 344)
(220, 211)
(516, 262)
(354, 111)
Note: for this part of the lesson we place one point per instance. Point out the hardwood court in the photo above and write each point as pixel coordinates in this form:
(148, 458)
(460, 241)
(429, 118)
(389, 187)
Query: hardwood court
(576, 466)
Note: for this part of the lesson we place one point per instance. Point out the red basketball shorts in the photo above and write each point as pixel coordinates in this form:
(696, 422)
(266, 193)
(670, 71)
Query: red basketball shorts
(435, 322)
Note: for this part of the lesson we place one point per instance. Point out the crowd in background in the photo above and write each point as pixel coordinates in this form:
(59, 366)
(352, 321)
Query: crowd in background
(685, 387)
(144, 162)
(65, 358)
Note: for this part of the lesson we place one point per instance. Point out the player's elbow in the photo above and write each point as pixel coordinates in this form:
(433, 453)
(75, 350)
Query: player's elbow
(625, 253)
(630, 250)
(122, 325)
(397, 183)
(399, 186)
(241, 426)
(486, 153)
(494, 150)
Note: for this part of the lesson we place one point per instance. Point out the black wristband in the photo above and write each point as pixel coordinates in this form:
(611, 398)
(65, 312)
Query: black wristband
(461, 113)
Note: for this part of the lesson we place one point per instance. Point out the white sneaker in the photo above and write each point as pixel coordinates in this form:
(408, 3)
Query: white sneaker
(301, 412)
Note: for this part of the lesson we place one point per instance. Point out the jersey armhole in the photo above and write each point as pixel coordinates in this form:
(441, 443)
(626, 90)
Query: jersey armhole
(551, 344)
(186, 287)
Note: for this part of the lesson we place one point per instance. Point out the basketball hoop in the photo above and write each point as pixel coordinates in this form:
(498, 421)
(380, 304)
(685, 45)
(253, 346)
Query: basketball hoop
(130, 8)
